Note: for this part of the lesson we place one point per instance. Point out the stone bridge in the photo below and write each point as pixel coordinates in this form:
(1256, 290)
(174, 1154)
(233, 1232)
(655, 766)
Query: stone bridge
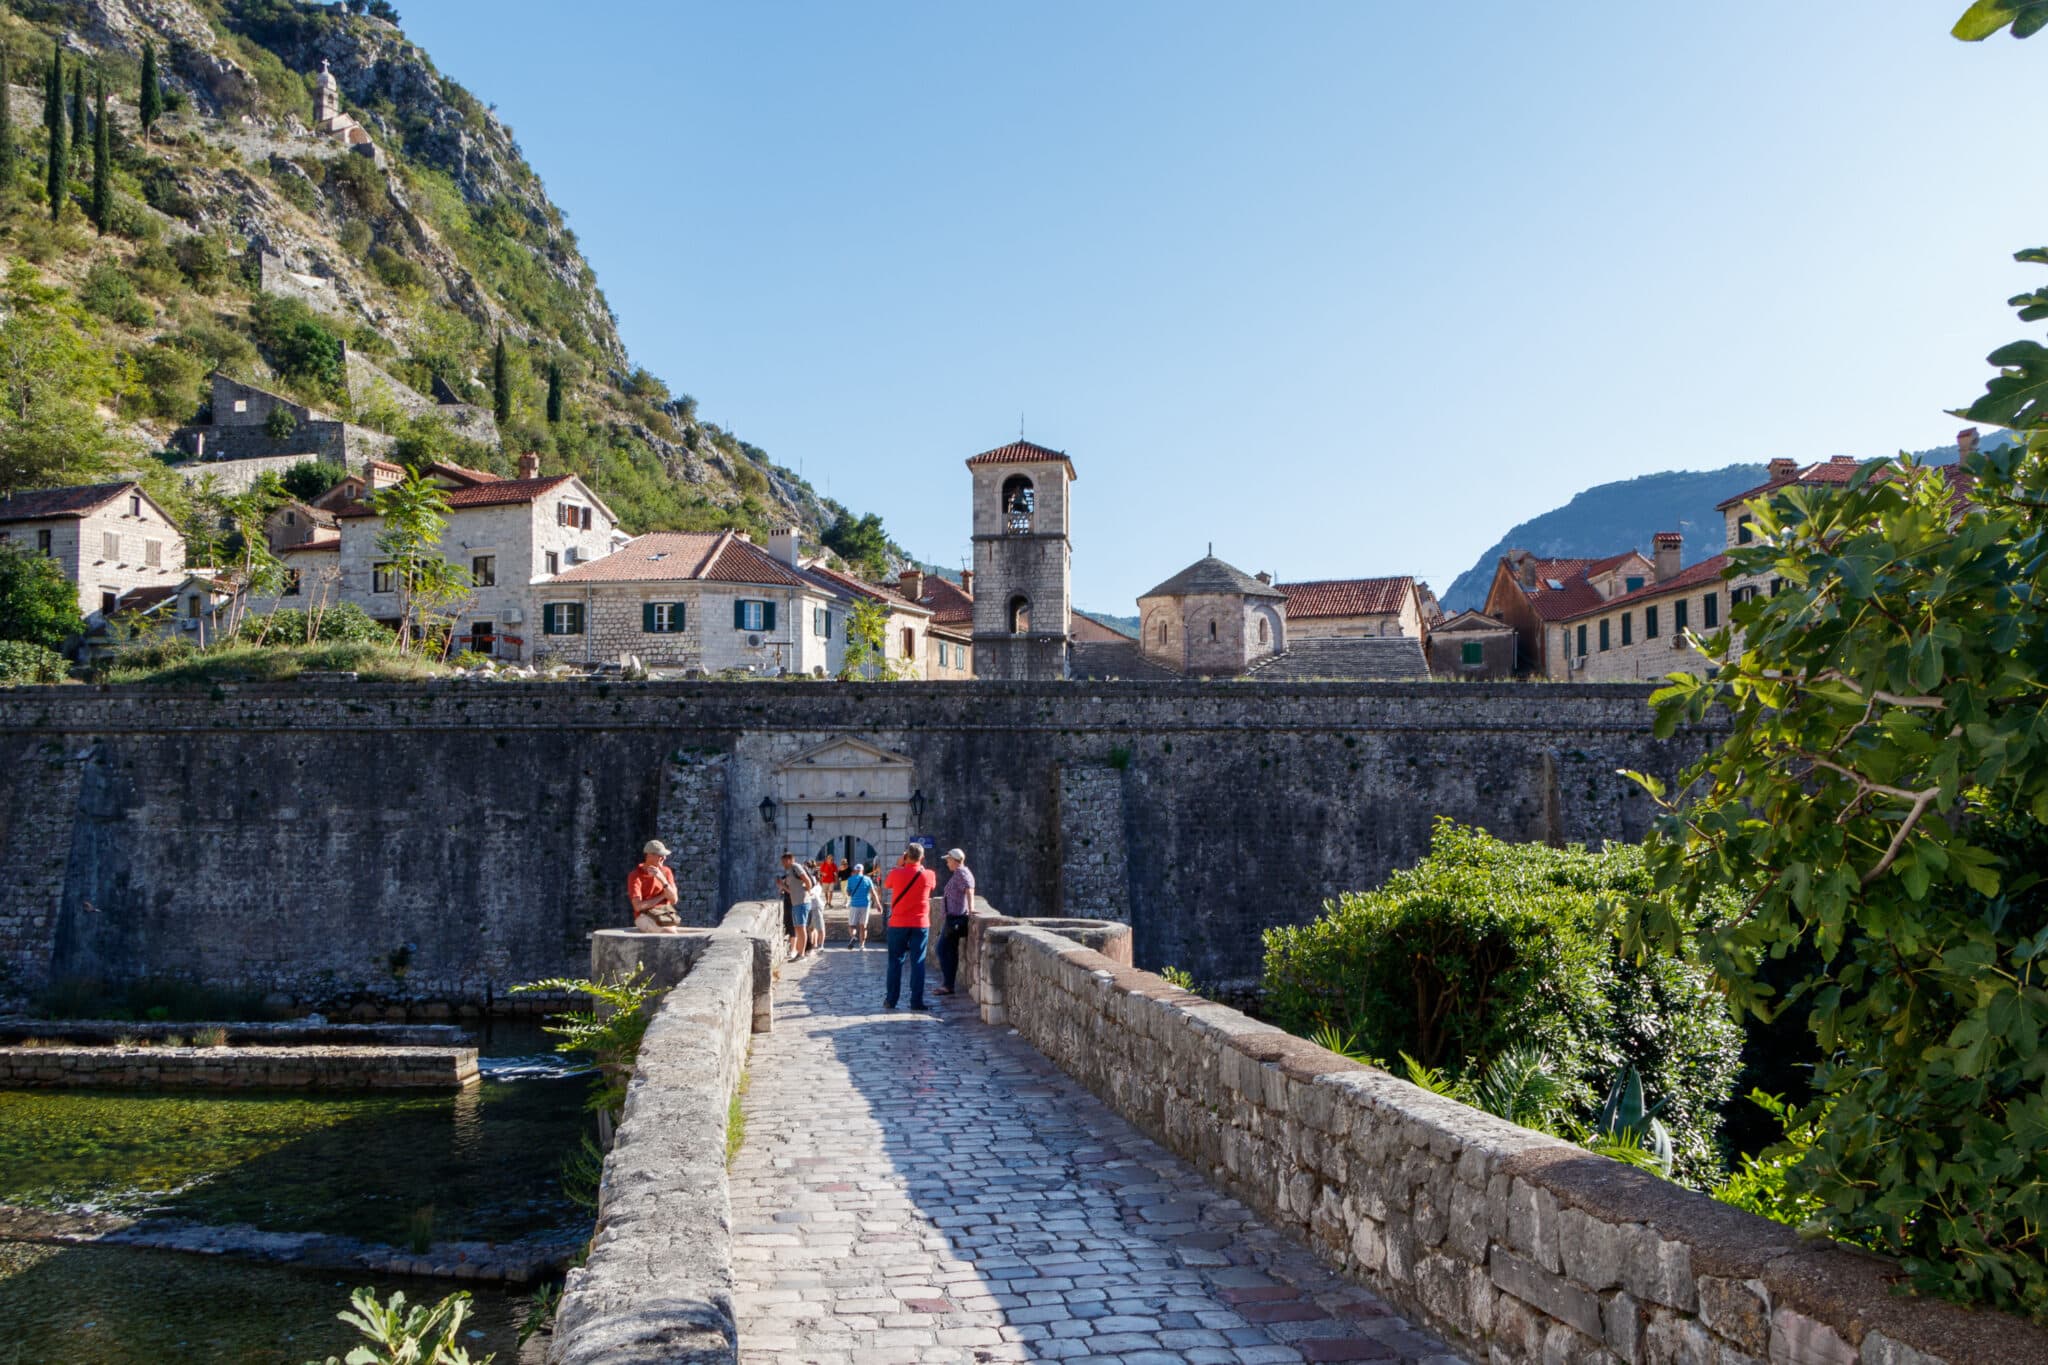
(1074, 1160)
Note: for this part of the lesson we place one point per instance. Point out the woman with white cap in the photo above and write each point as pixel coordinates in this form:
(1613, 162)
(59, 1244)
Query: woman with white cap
(959, 894)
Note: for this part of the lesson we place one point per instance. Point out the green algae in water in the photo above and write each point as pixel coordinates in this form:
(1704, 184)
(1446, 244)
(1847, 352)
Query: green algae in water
(118, 1306)
(488, 1159)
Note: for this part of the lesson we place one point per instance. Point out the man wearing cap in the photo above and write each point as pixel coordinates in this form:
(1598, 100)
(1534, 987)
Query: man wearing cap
(652, 890)
(959, 894)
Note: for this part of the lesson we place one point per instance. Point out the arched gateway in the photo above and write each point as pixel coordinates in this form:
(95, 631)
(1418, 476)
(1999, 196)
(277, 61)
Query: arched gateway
(847, 795)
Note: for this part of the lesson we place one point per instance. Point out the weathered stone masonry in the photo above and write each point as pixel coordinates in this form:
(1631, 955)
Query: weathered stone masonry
(439, 843)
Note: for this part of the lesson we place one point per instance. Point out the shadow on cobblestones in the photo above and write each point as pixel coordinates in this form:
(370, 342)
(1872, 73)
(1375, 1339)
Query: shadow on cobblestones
(921, 1187)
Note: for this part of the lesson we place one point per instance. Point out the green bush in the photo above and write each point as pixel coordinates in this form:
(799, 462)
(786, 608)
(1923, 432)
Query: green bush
(38, 604)
(109, 292)
(203, 261)
(1485, 946)
(173, 381)
(22, 662)
(344, 623)
(399, 272)
(308, 479)
(302, 347)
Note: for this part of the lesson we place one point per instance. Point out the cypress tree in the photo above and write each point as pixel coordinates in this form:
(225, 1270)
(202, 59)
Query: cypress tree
(102, 161)
(53, 114)
(6, 130)
(151, 104)
(554, 392)
(79, 131)
(501, 382)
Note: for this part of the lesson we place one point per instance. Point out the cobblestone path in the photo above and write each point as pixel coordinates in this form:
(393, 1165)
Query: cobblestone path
(922, 1187)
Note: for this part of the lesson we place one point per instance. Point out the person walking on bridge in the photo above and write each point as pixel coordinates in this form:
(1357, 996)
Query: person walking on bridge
(959, 895)
(796, 884)
(860, 899)
(909, 885)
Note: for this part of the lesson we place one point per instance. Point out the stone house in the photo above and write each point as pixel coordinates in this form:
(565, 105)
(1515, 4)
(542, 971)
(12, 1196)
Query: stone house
(1212, 619)
(1471, 644)
(950, 633)
(1534, 596)
(511, 535)
(233, 443)
(108, 538)
(907, 635)
(298, 523)
(1342, 608)
(700, 602)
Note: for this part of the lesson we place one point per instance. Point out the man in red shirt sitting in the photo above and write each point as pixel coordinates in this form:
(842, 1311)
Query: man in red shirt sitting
(652, 889)
(910, 885)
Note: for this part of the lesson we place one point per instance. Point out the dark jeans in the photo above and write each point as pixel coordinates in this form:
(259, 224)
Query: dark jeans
(949, 947)
(905, 942)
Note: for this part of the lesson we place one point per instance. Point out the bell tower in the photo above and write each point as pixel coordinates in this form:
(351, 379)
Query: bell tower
(1023, 562)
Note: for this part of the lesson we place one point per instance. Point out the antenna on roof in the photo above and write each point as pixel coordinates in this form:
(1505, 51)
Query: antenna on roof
(1020, 426)
(1212, 549)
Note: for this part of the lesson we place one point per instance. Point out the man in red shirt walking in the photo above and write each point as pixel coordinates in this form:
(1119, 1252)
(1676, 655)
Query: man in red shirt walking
(910, 885)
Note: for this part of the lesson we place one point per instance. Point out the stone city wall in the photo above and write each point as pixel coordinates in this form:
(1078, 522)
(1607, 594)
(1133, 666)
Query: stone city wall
(658, 1285)
(1519, 1246)
(240, 1068)
(364, 847)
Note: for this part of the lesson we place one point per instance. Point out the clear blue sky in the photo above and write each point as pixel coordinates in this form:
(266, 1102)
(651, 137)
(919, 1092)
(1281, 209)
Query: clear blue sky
(1343, 288)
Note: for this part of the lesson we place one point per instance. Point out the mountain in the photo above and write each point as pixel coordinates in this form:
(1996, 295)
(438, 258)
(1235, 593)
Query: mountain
(410, 265)
(1611, 517)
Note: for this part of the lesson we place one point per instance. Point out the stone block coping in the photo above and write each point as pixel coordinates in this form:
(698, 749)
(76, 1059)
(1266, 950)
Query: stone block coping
(240, 1068)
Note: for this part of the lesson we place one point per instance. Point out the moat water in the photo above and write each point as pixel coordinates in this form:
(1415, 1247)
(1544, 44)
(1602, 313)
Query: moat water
(482, 1165)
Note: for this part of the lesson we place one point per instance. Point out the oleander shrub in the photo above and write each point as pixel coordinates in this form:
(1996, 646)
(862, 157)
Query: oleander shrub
(1486, 946)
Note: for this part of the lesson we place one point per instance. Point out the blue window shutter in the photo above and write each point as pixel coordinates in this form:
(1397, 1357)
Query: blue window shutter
(647, 618)
(739, 615)
(768, 616)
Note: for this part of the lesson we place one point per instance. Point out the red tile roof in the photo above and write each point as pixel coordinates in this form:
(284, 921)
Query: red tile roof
(846, 582)
(1685, 580)
(1838, 470)
(1347, 596)
(1023, 452)
(496, 493)
(1577, 593)
(687, 556)
(949, 603)
(320, 541)
(462, 474)
(43, 503)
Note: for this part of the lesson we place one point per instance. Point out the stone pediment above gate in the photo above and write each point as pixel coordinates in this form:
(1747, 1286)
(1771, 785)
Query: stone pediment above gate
(846, 770)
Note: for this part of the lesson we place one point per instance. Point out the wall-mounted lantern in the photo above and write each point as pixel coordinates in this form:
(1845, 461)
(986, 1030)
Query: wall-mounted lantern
(768, 811)
(917, 805)
(885, 819)
(810, 819)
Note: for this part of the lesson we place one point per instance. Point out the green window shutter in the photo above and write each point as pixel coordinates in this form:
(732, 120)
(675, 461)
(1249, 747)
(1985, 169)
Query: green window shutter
(647, 618)
(767, 616)
(675, 616)
(739, 615)
(1472, 652)
(1650, 622)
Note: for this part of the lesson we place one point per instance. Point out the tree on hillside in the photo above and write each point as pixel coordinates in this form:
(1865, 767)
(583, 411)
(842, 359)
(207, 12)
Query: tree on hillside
(38, 603)
(554, 392)
(54, 179)
(258, 572)
(859, 541)
(415, 513)
(102, 164)
(501, 383)
(150, 105)
(80, 132)
(52, 379)
(6, 130)
(308, 479)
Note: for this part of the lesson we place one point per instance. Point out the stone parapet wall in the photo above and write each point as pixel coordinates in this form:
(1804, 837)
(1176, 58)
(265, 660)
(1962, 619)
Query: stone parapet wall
(658, 1285)
(1519, 1246)
(240, 1068)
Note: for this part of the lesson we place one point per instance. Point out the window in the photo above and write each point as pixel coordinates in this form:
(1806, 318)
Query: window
(1582, 639)
(554, 562)
(821, 622)
(110, 546)
(1678, 617)
(562, 618)
(1472, 653)
(909, 643)
(381, 578)
(1627, 628)
(1212, 632)
(108, 601)
(1744, 532)
(1777, 586)
(153, 553)
(241, 405)
(1020, 615)
(1710, 609)
(42, 542)
(1020, 504)
(661, 618)
(1603, 637)
(291, 584)
(586, 518)
(193, 607)
(291, 518)
(1649, 623)
(483, 571)
(756, 616)
(1162, 632)
(1633, 583)
(1262, 630)
(135, 504)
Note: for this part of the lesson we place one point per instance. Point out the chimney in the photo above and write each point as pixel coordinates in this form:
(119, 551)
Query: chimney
(1265, 578)
(1524, 566)
(1966, 442)
(785, 544)
(911, 584)
(967, 581)
(1784, 471)
(1670, 546)
(529, 465)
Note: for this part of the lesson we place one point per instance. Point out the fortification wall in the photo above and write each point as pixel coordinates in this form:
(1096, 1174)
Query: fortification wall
(344, 843)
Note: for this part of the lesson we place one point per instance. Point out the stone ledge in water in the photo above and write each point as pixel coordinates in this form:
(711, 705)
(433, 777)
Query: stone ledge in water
(241, 1068)
(16, 1027)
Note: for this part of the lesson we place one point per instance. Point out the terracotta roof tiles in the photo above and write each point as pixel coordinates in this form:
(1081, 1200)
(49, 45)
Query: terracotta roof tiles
(1347, 596)
(1023, 452)
(846, 582)
(1706, 571)
(687, 556)
(496, 493)
(43, 503)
